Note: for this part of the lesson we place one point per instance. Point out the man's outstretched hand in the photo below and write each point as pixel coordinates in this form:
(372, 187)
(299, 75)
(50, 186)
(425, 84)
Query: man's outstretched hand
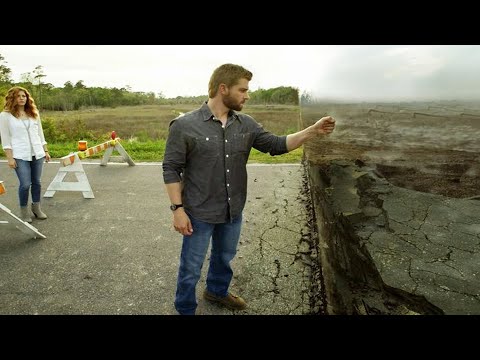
(325, 125)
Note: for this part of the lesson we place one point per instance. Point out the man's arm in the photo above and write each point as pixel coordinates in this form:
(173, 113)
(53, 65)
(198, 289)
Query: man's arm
(181, 221)
(173, 165)
(323, 126)
(174, 191)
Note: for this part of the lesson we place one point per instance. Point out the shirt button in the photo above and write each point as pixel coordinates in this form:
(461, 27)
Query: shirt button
(226, 140)
(228, 170)
(228, 199)
(226, 155)
(228, 184)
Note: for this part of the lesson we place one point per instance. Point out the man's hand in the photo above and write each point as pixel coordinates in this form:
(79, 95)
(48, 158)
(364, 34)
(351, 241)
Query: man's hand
(324, 126)
(181, 222)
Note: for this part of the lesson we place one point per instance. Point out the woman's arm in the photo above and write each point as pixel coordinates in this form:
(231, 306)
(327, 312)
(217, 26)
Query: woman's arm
(5, 131)
(42, 139)
(7, 140)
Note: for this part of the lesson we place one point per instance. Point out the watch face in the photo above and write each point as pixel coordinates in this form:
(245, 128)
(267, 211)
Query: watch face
(173, 207)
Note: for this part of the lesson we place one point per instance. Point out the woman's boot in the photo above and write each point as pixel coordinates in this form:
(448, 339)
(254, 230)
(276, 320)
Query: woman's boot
(37, 211)
(26, 214)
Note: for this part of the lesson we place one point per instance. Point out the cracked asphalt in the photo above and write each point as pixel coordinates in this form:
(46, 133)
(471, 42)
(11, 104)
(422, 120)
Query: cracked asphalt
(118, 253)
(417, 253)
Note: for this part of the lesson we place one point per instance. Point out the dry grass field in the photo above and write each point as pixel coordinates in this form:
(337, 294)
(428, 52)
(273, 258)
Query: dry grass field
(150, 122)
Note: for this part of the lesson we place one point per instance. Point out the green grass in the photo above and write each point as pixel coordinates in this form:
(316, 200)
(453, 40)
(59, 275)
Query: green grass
(152, 151)
(294, 156)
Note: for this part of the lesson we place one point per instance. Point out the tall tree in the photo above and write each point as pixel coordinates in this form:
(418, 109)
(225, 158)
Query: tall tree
(38, 75)
(27, 78)
(80, 85)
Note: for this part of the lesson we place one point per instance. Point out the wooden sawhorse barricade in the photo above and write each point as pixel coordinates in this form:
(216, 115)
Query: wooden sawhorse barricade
(16, 222)
(71, 163)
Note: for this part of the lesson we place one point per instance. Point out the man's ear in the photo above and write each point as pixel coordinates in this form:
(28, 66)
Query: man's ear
(222, 88)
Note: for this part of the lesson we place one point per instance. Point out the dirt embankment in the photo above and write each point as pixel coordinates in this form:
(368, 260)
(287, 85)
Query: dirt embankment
(425, 147)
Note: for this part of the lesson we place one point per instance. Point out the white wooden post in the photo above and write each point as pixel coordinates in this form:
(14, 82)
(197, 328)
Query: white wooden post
(82, 184)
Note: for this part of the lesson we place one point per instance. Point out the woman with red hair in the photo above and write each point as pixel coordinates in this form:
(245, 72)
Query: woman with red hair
(24, 144)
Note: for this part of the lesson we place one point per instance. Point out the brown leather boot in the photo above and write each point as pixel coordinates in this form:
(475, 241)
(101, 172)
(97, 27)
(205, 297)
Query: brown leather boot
(232, 302)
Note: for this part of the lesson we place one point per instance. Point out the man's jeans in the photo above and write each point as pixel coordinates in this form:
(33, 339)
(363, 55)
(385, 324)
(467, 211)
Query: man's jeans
(29, 174)
(224, 247)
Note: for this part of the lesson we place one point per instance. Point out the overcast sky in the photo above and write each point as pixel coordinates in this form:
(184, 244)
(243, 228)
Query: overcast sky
(357, 72)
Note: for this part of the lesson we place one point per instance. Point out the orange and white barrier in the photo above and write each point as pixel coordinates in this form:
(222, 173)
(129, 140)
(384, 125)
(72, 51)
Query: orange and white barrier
(109, 146)
(72, 163)
(96, 149)
(17, 223)
(69, 159)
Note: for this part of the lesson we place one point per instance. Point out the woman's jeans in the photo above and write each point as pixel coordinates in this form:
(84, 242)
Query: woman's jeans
(29, 174)
(224, 247)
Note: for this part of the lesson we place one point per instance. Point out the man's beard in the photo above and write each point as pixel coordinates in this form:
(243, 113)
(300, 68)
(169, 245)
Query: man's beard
(230, 103)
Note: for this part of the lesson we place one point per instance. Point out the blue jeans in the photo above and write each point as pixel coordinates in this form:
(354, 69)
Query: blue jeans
(29, 174)
(224, 247)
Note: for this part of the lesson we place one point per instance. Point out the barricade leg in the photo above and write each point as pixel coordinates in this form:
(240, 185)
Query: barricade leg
(121, 150)
(16, 222)
(82, 184)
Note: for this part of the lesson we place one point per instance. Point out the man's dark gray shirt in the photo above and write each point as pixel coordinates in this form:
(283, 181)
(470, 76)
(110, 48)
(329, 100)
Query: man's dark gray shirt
(211, 161)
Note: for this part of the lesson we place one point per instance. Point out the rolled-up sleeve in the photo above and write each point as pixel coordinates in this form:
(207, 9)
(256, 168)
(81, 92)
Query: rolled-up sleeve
(174, 159)
(269, 143)
(5, 132)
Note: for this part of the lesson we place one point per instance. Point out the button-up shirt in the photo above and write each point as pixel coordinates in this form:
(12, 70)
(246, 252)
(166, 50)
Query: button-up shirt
(24, 137)
(210, 161)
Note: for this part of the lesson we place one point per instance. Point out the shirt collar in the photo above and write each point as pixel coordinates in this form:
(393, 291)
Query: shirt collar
(207, 113)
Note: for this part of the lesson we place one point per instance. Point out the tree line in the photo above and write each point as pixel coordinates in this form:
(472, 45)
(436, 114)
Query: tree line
(76, 95)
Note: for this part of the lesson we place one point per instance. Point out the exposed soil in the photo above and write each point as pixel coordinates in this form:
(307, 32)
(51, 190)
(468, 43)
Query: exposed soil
(442, 172)
(452, 180)
(409, 147)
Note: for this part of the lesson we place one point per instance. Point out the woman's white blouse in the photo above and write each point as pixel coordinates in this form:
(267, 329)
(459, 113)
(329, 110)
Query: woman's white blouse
(14, 136)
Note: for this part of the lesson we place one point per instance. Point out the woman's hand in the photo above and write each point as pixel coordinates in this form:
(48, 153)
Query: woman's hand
(12, 163)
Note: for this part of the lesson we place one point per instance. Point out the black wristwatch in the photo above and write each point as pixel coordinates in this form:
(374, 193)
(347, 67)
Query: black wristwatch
(174, 207)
